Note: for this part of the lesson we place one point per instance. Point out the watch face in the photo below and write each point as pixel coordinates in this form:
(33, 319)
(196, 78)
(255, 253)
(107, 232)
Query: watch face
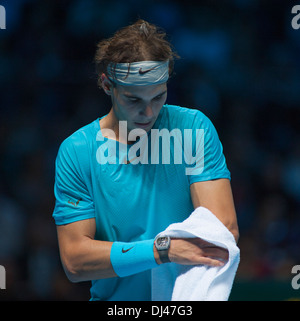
(163, 242)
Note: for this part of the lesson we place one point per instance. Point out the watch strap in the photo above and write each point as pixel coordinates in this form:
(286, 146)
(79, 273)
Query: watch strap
(164, 256)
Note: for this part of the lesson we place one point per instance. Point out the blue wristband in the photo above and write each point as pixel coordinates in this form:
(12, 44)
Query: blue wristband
(131, 258)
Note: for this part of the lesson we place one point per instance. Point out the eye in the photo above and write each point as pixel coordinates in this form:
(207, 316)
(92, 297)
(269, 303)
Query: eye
(159, 96)
(133, 99)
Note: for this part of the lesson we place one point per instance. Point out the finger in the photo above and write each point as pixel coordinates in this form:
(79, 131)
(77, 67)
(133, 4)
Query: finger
(218, 253)
(210, 250)
(212, 262)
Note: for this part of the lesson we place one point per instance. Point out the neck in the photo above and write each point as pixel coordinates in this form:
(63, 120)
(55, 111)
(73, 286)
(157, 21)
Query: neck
(112, 122)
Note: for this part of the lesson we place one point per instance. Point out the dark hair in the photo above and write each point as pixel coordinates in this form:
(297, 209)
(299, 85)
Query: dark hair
(137, 42)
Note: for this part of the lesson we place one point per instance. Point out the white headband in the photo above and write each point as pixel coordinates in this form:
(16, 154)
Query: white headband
(141, 73)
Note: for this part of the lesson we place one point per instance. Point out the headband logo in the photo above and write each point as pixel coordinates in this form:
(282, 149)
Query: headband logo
(142, 72)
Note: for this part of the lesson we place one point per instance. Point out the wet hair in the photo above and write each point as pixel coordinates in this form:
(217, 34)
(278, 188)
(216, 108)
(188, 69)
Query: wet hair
(140, 41)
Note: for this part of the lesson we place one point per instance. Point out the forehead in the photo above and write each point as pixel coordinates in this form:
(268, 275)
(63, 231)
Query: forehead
(142, 91)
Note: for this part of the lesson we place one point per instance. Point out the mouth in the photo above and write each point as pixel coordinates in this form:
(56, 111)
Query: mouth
(143, 125)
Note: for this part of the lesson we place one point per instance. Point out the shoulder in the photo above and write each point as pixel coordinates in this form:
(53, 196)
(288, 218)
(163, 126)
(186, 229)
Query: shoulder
(81, 139)
(184, 117)
(75, 150)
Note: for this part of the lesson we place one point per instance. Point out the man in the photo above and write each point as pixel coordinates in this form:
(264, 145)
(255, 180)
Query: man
(109, 206)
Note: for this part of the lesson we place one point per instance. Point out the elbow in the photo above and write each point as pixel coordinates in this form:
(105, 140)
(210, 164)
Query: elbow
(72, 276)
(236, 234)
(72, 271)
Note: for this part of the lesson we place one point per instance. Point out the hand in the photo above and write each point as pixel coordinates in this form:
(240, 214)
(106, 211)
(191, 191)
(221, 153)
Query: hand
(194, 251)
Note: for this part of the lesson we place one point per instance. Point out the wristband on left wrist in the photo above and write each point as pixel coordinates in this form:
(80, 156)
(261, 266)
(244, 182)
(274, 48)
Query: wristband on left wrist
(128, 258)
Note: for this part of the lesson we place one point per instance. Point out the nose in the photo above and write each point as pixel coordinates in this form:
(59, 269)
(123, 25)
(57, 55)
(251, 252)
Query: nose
(148, 111)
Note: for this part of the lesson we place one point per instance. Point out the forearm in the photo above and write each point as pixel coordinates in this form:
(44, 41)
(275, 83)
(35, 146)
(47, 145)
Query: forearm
(87, 260)
(91, 259)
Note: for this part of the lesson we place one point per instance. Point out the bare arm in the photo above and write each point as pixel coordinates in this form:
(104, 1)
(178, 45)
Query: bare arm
(84, 258)
(216, 195)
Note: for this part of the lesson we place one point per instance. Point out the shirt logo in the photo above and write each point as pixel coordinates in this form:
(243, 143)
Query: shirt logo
(74, 204)
(124, 251)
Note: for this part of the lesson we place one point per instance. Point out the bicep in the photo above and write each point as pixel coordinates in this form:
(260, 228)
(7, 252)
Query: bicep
(216, 195)
(70, 236)
(77, 230)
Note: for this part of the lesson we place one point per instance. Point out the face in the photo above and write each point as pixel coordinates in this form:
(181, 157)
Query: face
(138, 105)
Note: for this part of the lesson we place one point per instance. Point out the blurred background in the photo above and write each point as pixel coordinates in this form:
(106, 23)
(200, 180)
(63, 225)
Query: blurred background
(239, 65)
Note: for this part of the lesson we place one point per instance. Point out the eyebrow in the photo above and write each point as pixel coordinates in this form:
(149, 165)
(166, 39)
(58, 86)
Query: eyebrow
(137, 97)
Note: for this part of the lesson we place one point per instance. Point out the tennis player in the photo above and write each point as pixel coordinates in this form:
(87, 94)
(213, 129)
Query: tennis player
(109, 209)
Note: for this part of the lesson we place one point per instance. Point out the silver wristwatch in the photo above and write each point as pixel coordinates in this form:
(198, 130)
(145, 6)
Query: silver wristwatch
(162, 244)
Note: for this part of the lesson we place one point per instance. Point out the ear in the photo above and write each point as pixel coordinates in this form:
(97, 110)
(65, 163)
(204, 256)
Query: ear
(107, 86)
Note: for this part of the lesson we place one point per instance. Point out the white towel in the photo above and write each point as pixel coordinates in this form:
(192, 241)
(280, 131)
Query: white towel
(176, 282)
